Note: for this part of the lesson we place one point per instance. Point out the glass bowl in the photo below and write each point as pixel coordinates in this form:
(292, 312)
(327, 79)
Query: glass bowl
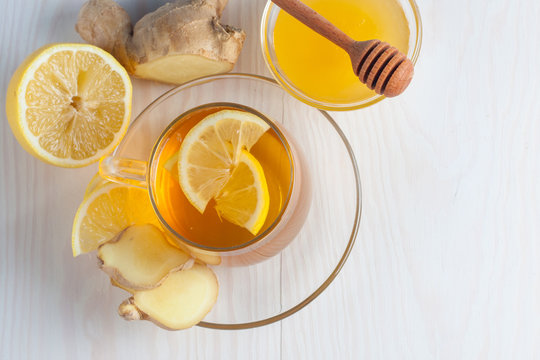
(260, 294)
(268, 23)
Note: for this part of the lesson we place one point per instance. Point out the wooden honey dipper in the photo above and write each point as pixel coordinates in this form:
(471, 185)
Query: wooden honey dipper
(381, 67)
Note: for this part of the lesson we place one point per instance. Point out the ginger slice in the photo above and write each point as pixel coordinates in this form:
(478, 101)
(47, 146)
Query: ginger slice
(178, 42)
(140, 257)
(114, 283)
(181, 301)
(187, 265)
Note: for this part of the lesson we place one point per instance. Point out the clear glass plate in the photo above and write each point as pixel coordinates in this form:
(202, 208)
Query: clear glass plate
(260, 294)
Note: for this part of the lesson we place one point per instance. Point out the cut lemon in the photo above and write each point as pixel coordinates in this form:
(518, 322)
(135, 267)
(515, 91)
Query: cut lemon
(244, 200)
(210, 152)
(69, 104)
(108, 210)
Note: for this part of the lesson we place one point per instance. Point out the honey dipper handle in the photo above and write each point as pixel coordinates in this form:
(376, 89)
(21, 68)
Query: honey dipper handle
(315, 22)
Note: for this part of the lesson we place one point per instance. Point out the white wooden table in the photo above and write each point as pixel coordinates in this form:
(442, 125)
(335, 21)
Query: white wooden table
(447, 261)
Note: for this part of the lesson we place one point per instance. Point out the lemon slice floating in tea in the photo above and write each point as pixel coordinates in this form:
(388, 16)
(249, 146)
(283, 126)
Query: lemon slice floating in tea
(245, 200)
(69, 104)
(108, 210)
(214, 163)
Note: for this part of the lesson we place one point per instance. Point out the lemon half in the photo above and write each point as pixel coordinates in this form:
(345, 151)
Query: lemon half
(69, 104)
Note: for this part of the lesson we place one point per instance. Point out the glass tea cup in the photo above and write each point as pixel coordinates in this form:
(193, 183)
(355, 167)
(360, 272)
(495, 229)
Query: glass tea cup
(137, 161)
(277, 288)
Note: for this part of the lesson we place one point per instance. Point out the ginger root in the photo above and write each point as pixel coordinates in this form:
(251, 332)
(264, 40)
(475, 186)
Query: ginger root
(168, 287)
(140, 257)
(181, 301)
(178, 42)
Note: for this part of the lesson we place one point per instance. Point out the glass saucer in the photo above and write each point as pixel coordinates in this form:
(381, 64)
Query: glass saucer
(263, 293)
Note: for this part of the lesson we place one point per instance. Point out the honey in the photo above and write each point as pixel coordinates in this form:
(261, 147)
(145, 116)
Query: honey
(321, 69)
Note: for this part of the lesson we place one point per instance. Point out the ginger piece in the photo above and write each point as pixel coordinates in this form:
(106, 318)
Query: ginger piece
(178, 42)
(187, 265)
(140, 257)
(181, 301)
(114, 283)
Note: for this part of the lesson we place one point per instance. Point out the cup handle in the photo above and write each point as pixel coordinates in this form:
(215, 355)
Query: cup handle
(126, 171)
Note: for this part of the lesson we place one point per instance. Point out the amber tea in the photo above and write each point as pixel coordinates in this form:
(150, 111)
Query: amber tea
(267, 166)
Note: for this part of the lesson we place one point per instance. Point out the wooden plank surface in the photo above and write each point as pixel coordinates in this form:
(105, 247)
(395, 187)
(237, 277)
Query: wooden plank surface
(447, 261)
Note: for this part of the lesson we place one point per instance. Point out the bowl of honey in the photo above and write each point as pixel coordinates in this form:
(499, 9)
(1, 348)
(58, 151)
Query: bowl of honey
(319, 73)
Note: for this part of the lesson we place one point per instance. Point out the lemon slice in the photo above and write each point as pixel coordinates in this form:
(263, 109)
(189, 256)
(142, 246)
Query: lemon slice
(108, 210)
(244, 200)
(209, 153)
(69, 104)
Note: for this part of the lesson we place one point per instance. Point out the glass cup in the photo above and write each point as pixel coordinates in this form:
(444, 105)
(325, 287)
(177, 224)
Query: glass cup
(135, 162)
(274, 289)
